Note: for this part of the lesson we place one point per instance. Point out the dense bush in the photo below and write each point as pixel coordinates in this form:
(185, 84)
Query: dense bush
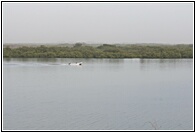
(103, 51)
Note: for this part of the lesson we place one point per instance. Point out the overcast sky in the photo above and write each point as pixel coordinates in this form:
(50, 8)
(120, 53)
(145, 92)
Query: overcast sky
(97, 22)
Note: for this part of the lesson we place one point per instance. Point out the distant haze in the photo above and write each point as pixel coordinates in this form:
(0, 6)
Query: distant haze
(106, 22)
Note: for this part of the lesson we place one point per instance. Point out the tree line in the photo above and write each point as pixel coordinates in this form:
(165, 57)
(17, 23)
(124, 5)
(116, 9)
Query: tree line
(102, 51)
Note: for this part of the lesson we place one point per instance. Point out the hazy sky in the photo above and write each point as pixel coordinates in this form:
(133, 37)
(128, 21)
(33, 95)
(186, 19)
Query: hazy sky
(97, 22)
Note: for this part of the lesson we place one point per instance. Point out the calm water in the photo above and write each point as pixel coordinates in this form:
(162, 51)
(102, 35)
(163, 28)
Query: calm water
(103, 94)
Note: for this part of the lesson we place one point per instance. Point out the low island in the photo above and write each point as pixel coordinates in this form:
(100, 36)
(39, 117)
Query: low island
(80, 50)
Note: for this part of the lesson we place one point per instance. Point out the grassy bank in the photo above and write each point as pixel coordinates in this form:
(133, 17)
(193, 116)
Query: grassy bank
(102, 51)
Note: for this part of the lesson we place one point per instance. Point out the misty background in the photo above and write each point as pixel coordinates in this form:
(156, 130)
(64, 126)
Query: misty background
(96, 22)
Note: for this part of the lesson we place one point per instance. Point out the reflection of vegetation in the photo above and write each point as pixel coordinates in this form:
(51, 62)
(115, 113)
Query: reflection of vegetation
(102, 51)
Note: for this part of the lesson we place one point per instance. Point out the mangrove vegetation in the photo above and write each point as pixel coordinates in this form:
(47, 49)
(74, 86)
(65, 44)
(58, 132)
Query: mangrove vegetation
(102, 51)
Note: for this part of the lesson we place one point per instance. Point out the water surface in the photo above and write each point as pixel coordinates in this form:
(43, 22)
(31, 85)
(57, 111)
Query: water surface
(102, 94)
